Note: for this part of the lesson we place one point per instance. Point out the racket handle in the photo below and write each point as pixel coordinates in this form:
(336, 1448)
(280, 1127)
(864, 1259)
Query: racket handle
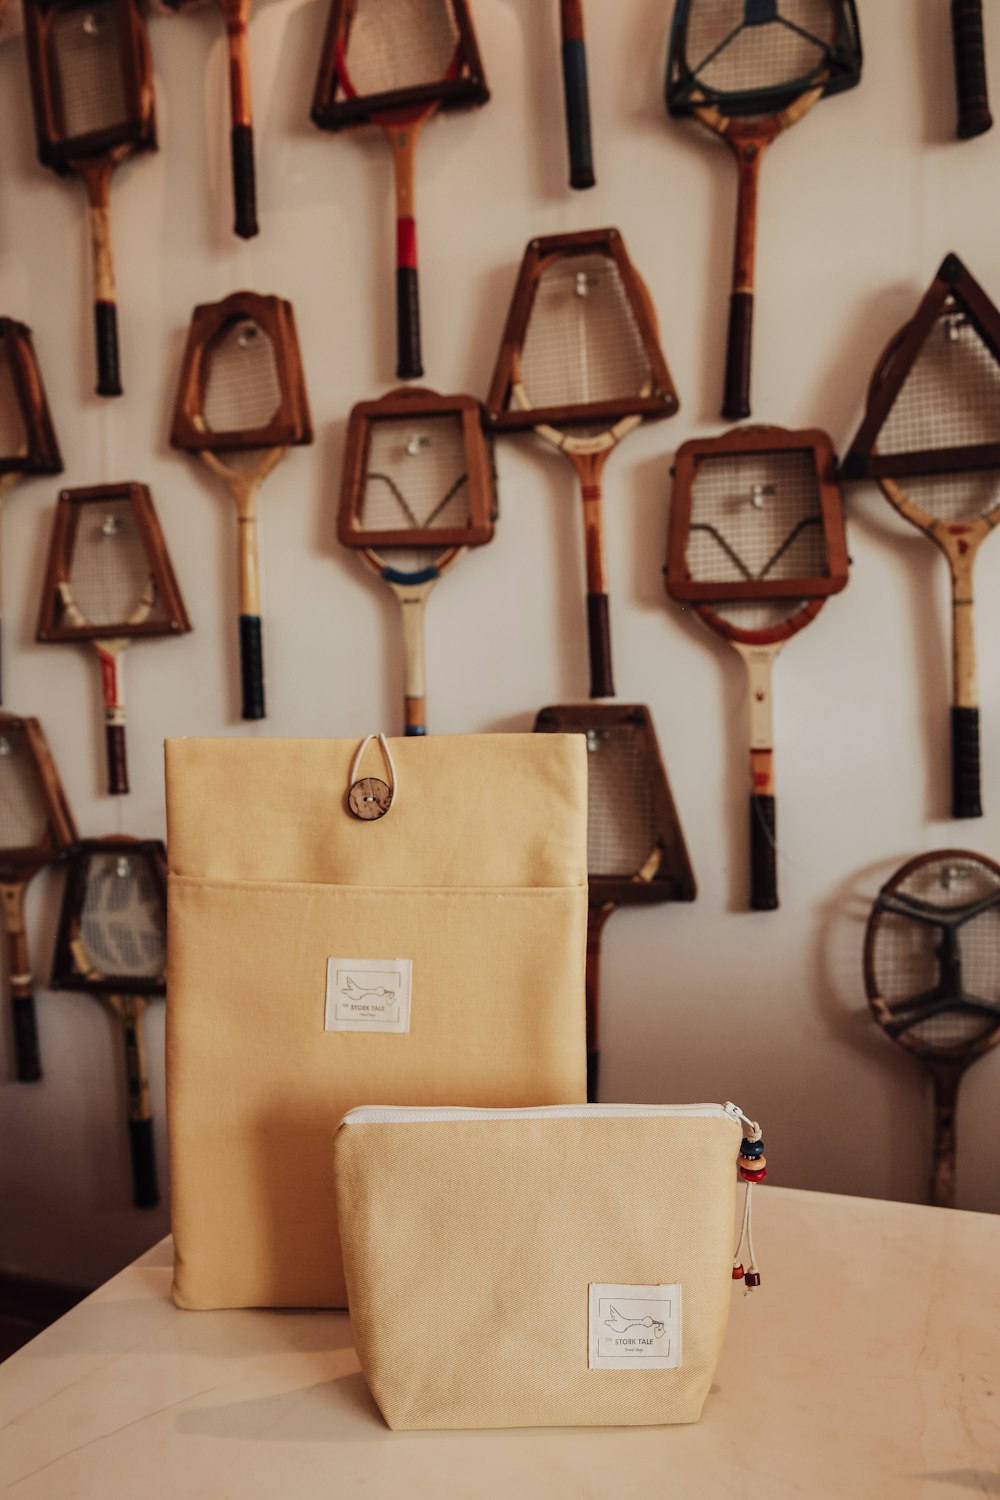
(146, 1191)
(410, 365)
(577, 95)
(974, 116)
(599, 634)
(27, 1057)
(763, 854)
(251, 667)
(109, 381)
(965, 796)
(114, 738)
(736, 397)
(244, 182)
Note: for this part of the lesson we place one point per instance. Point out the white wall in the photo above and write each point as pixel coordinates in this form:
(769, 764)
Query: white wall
(859, 205)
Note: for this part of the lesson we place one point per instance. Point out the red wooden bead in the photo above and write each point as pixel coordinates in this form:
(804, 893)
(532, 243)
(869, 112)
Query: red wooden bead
(737, 1273)
(749, 1176)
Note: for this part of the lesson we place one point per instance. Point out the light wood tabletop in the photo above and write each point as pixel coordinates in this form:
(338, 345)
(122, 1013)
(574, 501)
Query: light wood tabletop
(867, 1365)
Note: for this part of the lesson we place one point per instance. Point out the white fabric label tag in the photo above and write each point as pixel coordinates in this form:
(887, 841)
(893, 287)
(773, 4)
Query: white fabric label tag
(368, 994)
(635, 1327)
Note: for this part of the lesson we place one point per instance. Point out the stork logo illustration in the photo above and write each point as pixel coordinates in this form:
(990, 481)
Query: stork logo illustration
(368, 994)
(635, 1327)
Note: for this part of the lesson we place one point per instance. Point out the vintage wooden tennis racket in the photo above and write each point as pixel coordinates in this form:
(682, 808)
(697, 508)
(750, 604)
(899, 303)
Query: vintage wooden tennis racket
(971, 88)
(395, 67)
(92, 90)
(27, 438)
(418, 491)
(241, 404)
(580, 363)
(636, 854)
(36, 828)
(932, 976)
(109, 581)
(756, 545)
(931, 438)
(112, 943)
(748, 70)
(577, 94)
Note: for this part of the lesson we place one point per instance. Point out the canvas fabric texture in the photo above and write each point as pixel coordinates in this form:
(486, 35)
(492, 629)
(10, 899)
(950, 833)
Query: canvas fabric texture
(477, 875)
(470, 1247)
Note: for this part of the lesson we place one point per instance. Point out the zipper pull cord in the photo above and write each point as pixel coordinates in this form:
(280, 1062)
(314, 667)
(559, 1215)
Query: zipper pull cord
(753, 1168)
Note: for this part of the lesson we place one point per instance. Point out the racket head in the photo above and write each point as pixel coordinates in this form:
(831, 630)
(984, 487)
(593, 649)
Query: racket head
(422, 58)
(932, 403)
(636, 852)
(906, 963)
(752, 59)
(36, 825)
(27, 437)
(241, 384)
(91, 79)
(756, 515)
(109, 574)
(418, 474)
(112, 937)
(581, 344)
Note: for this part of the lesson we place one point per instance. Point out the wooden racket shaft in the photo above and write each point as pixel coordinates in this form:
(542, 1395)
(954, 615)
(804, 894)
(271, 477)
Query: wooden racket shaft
(237, 16)
(596, 918)
(130, 1010)
(97, 180)
(759, 663)
(590, 467)
(27, 1057)
(971, 88)
(577, 94)
(402, 138)
(413, 589)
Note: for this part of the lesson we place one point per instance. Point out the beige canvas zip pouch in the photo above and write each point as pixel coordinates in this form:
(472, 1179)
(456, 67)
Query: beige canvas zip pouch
(317, 960)
(541, 1267)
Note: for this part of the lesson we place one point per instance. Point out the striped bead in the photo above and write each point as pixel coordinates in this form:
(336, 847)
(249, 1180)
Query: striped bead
(753, 1163)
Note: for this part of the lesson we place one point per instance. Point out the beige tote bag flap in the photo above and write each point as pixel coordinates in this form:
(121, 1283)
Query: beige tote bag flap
(317, 962)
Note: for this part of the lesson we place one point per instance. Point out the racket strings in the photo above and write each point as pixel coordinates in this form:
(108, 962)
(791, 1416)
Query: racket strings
(582, 344)
(953, 497)
(241, 387)
(950, 397)
(13, 433)
(122, 921)
(729, 53)
(417, 477)
(409, 43)
(622, 832)
(109, 581)
(756, 517)
(85, 48)
(23, 811)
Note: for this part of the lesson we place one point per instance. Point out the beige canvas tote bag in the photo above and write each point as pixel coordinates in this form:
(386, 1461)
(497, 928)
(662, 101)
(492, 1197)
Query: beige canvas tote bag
(542, 1267)
(317, 960)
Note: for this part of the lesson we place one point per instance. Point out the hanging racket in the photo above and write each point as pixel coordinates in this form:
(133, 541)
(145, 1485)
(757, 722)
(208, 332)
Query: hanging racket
(580, 363)
(108, 582)
(112, 943)
(971, 88)
(36, 827)
(636, 853)
(418, 491)
(241, 403)
(932, 976)
(92, 91)
(577, 94)
(395, 67)
(748, 71)
(756, 545)
(931, 438)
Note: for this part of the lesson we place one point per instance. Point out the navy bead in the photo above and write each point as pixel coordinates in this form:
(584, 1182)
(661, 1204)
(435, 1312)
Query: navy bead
(752, 1148)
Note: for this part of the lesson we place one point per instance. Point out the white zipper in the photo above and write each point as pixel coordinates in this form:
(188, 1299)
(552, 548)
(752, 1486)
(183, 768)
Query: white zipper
(403, 1114)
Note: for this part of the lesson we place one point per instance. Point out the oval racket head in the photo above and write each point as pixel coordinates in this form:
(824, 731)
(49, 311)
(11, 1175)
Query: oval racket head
(109, 582)
(381, 53)
(85, 51)
(13, 430)
(417, 477)
(950, 395)
(241, 386)
(24, 811)
(112, 932)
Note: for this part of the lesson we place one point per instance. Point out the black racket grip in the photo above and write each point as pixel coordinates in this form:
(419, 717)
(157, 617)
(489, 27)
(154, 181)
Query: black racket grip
(736, 397)
(146, 1191)
(974, 116)
(410, 365)
(763, 855)
(109, 379)
(244, 182)
(965, 795)
(27, 1057)
(114, 737)
(251, 667)
(599, 634)
(593, 1075)
(581, 151)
